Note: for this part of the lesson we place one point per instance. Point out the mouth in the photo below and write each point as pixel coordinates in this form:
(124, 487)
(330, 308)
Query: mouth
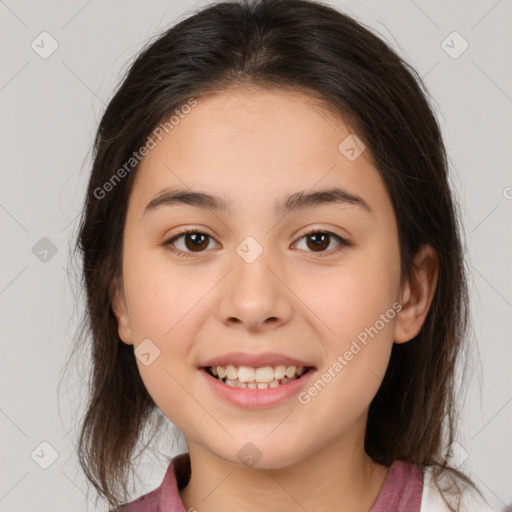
(246, 377)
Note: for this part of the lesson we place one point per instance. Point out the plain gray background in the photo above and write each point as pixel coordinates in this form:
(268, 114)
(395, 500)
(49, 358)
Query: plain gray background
(50, 108)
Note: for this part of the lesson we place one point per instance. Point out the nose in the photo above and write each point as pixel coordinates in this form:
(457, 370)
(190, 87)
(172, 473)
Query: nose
(255, 296)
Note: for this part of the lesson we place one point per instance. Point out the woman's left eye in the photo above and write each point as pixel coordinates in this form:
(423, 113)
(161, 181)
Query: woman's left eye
(196, 241)
(322, 240)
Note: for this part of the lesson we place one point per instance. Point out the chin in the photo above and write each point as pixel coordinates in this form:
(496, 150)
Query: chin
(259, 454)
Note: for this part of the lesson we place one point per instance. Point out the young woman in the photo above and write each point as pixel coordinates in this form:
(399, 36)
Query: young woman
(272, 259)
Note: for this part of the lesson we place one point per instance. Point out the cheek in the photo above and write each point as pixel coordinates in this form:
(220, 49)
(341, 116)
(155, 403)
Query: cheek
(158, 293)
(166, 382)
(161, 309)
(351, 299)
(353, 309)
(356, 320)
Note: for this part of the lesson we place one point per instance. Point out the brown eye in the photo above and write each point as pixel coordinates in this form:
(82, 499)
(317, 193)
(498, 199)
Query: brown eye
(318, 241)
(193, 242)
(196, 241)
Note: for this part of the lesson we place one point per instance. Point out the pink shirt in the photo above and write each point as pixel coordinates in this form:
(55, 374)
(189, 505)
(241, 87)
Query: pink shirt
(401, 491)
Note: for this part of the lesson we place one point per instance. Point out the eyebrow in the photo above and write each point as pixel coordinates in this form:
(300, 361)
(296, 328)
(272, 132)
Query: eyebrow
(293, 202)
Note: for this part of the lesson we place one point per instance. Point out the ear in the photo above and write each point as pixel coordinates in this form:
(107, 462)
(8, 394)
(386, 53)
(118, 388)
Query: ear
(417, 295)
(120, 310)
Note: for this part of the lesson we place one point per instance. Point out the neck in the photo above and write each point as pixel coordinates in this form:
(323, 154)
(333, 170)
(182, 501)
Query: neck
(336, 477)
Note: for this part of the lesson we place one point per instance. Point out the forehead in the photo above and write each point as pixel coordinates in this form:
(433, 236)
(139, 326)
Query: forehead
(253, 145)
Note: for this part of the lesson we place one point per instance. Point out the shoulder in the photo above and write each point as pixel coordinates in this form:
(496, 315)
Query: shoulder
(432, 500)
(146, 503)
(166, 496)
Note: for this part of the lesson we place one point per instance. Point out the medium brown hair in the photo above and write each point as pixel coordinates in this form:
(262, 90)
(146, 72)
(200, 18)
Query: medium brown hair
(310, 47)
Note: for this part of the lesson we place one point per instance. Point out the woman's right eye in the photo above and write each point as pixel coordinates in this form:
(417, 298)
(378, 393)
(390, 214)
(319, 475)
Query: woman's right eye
(194, 241)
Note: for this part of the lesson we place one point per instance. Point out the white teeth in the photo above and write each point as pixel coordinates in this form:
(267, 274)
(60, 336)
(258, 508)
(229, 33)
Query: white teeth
(256, 385)
(246, 374)
(263, 374)
(280, 371)
(231, 372)
(290, 371)
(257, 378)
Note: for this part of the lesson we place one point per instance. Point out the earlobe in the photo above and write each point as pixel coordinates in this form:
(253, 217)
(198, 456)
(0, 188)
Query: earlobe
(121, 312)
(417, 295)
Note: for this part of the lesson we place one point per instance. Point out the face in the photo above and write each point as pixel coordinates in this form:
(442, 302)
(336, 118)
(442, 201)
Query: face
(250, 279)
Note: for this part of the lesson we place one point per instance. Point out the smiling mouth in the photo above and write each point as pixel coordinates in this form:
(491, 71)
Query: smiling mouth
(256, 378)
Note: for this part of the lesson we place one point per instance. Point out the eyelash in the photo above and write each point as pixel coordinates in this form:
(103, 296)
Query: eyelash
(169, 243)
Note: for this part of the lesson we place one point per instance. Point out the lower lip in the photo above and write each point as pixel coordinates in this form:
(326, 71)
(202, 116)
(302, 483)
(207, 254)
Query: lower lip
(257, 398)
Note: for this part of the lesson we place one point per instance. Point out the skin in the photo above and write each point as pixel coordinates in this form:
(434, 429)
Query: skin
(253, 148)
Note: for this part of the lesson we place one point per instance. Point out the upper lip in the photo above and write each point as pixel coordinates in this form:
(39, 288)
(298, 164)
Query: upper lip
(255, 360)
